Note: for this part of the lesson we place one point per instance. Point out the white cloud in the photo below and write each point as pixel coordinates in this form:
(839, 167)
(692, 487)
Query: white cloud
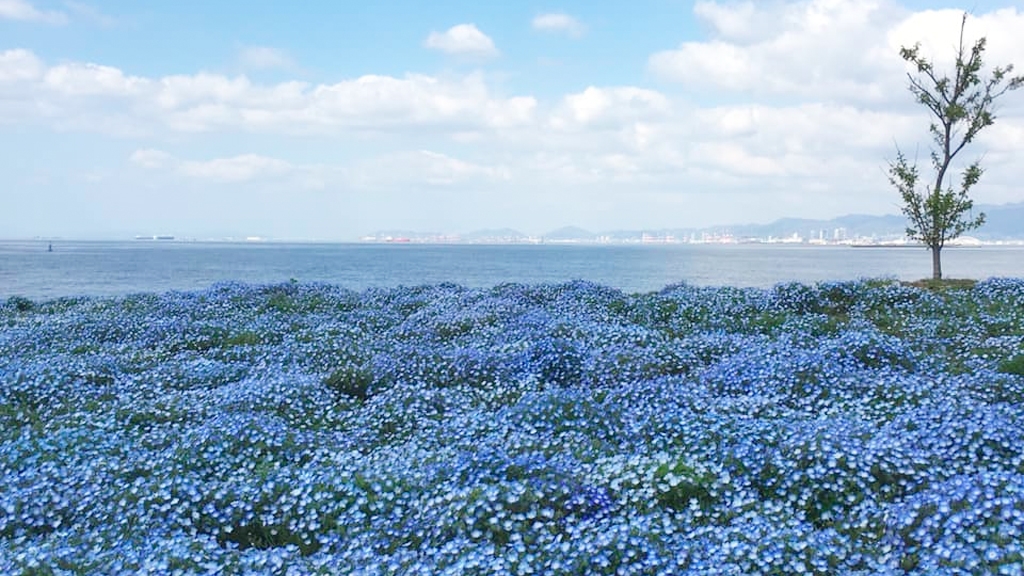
(264, 58)
(937, 31)
(90, 13)
(733, 21)
(561, 23)
(423, 167)
(397, 171)
(183, 92)
(834, 49)
(93, 80)
(235, 169)
(203, 102)
(444, 169)
(20, 66)
(150, 158)
(462, 39)
(736, 159)
(610, 106)
(243, 168)
(25, 11)
(839, 50)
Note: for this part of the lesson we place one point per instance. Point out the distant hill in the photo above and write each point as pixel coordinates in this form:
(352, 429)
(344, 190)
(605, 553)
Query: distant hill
(1001, 222)
(570, 234)
(495, 235)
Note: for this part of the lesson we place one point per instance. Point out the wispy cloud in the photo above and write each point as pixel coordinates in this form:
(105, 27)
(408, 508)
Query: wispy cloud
(153, 159)
(391, 170)
(264, 58)
(25, 11)
(235, 169)
(242, 168)
(559, 23)
(90, 13)
(463, 39)
(423, 167)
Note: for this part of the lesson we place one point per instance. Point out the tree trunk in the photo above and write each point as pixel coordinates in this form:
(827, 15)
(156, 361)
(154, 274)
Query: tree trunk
(936, 263)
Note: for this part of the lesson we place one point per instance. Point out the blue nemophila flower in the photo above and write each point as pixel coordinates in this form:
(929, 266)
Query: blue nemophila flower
(842, 428)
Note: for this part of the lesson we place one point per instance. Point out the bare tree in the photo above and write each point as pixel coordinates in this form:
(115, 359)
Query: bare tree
(961, 106)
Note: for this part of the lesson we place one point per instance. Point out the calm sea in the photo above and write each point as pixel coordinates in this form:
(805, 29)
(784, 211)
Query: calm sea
(117, 268)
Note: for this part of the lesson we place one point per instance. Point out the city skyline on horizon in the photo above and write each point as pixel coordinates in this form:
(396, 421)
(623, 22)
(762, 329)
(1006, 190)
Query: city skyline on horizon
(843, 228)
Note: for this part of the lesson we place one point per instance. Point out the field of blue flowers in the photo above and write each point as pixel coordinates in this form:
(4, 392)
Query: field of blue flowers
(842, 428)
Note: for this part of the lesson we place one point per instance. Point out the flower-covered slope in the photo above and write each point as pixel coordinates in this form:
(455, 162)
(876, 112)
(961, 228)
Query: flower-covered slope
(851, 428)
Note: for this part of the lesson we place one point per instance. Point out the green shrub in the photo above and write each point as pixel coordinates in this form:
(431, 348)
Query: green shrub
(353, 381)
(246, 338)
(20, 304)
(1013, 365)
(677, 485)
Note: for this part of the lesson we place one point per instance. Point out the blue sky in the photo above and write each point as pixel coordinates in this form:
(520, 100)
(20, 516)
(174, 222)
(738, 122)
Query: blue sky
(335, 119)
(332, 40)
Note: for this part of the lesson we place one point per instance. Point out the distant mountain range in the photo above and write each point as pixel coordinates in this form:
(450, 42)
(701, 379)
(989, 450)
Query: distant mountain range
(1003, 222)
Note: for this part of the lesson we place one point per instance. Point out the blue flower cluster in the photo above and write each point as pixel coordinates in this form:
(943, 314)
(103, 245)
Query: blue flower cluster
(841, 428)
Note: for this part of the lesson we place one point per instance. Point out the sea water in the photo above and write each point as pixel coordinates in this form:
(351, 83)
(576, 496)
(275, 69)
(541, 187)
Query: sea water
(28, 269)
